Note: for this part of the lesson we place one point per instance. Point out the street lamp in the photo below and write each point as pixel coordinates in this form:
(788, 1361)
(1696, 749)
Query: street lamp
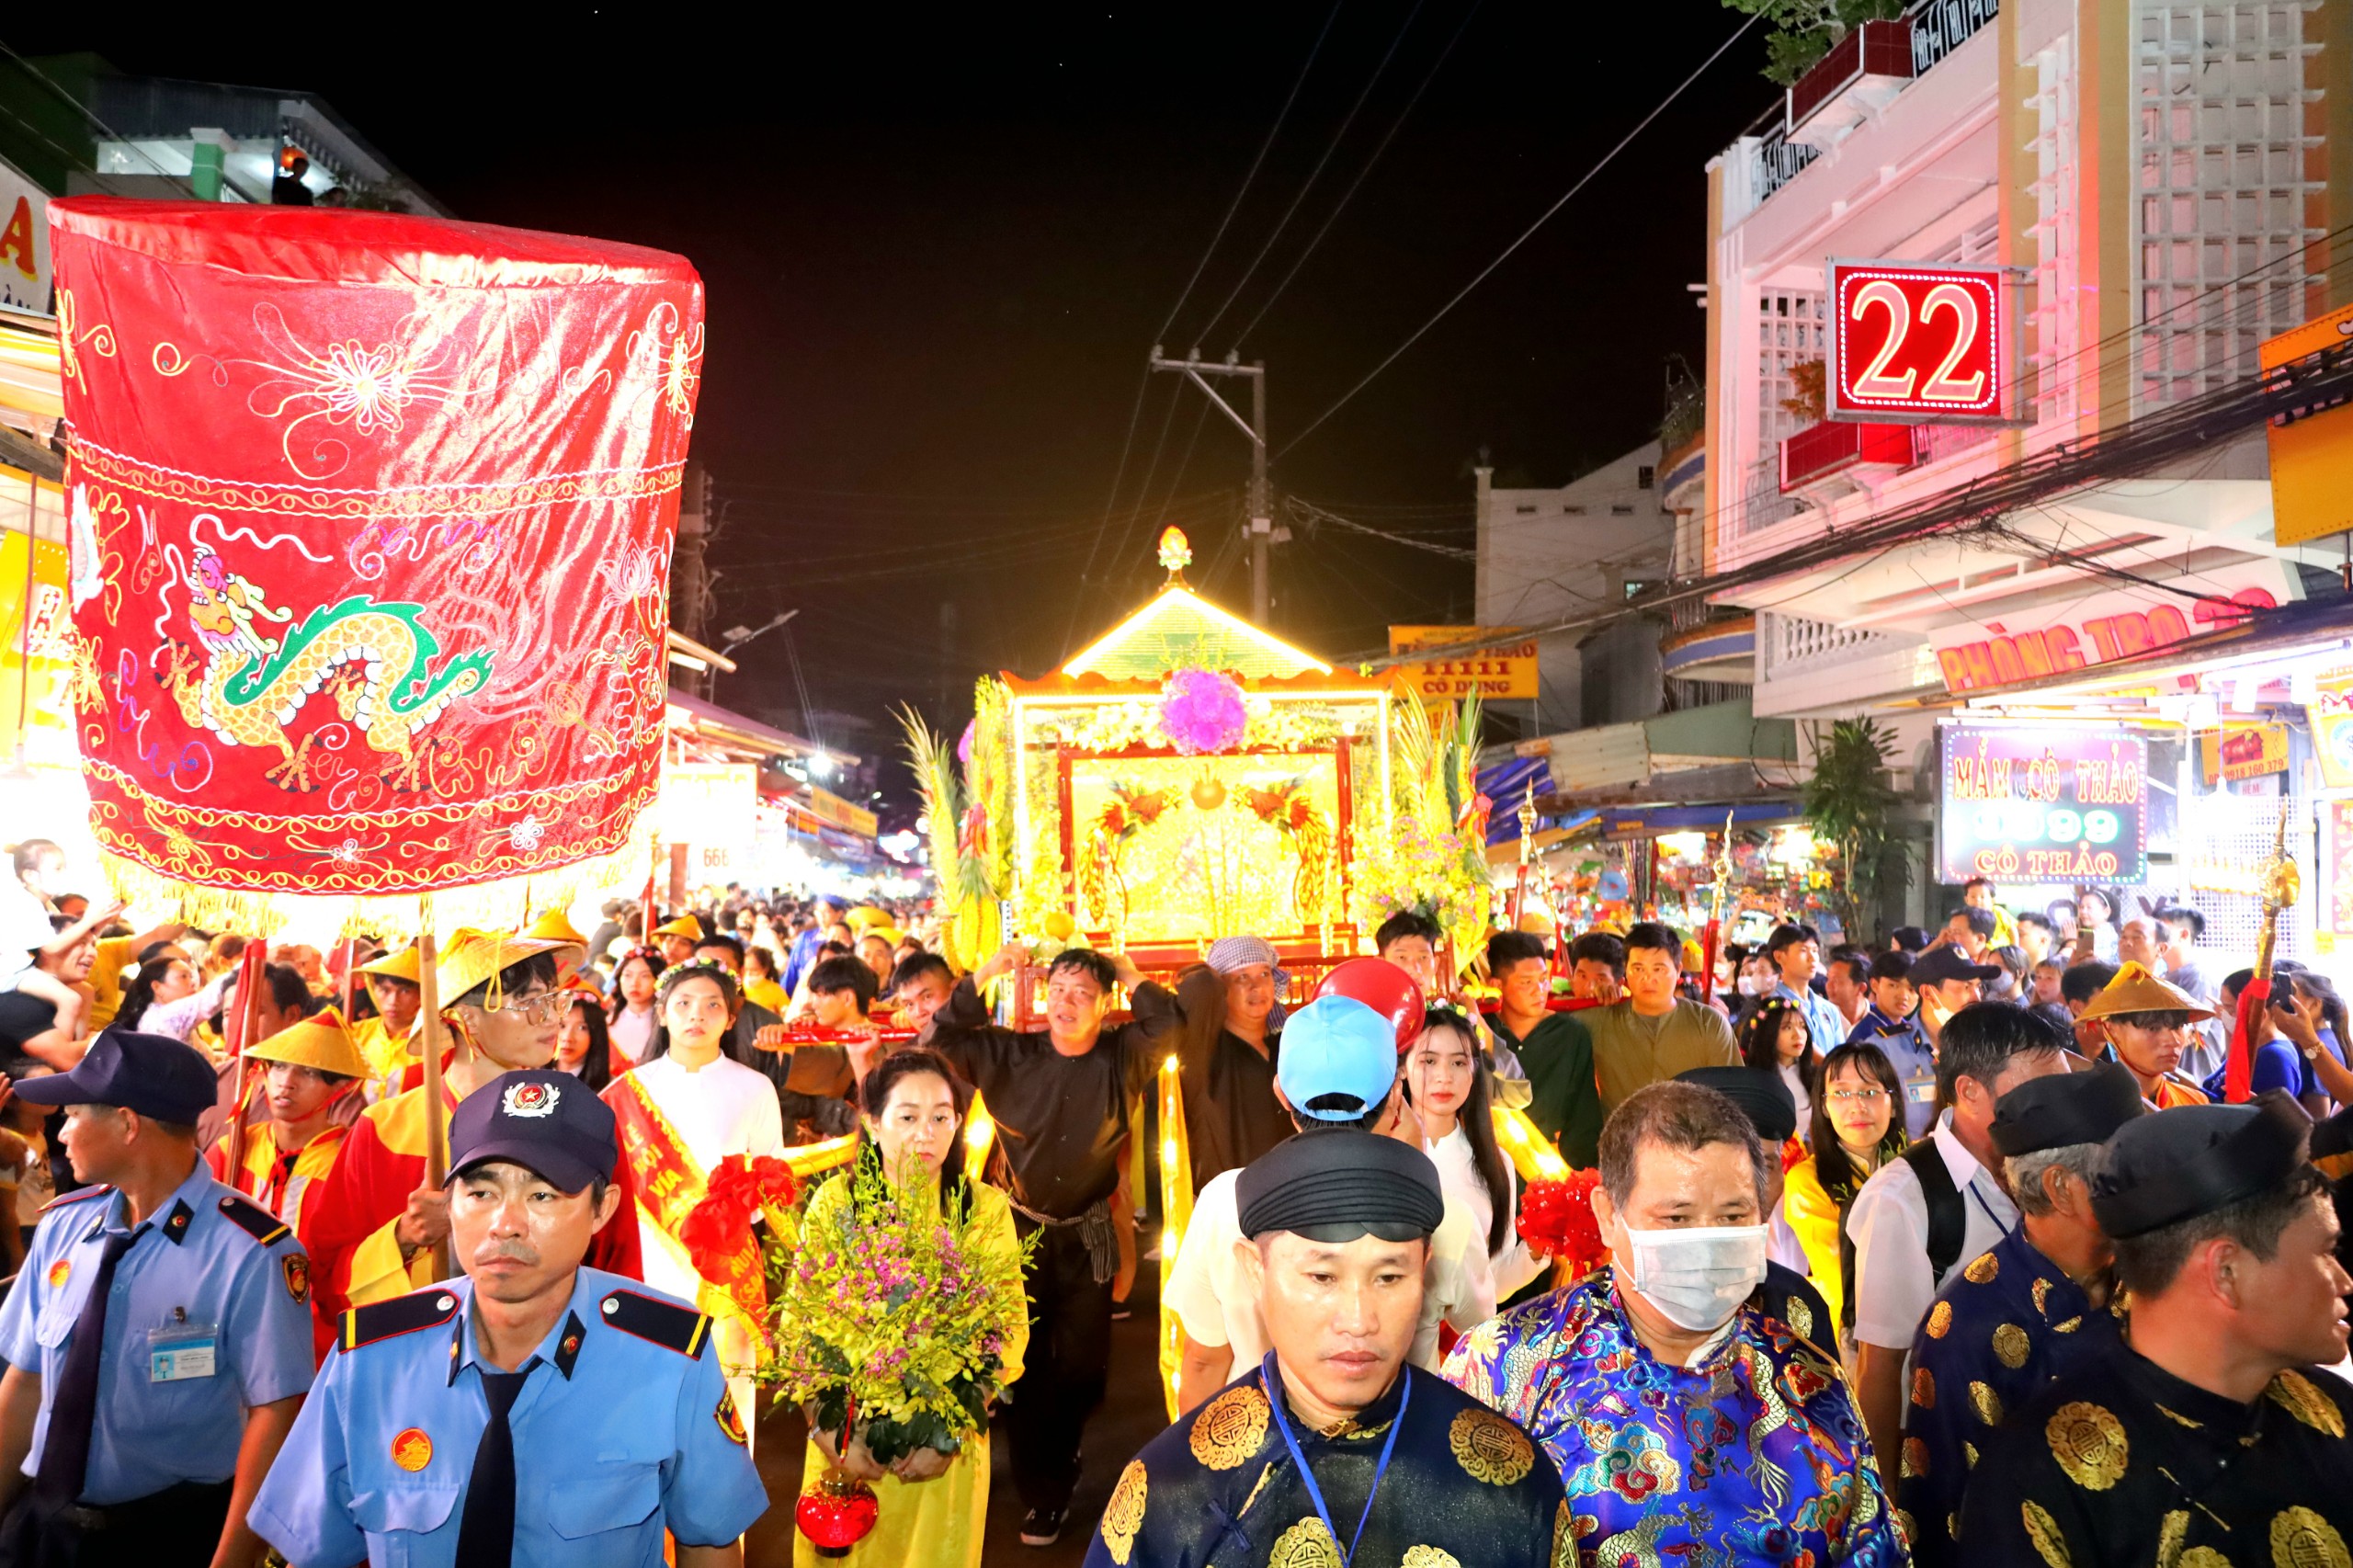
(738, 635)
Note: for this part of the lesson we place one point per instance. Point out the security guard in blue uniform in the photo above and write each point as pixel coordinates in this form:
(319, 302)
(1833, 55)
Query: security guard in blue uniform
(158, 1337)
(535, 1412)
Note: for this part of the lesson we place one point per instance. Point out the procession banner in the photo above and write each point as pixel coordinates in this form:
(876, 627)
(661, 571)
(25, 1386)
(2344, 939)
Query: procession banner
(370, 521)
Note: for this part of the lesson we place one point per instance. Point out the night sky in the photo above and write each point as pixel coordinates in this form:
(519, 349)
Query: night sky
(940, 243)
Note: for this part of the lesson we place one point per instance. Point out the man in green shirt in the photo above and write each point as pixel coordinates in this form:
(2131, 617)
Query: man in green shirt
(1650, 1035)
(1553, 1049)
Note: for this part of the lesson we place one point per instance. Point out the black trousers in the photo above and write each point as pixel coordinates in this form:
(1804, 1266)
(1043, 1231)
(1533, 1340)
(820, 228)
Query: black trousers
(1068, 1360)
(176, 1527)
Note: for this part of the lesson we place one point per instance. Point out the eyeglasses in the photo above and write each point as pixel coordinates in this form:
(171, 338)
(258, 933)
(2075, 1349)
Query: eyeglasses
(1856, 1097)
(537, 1007)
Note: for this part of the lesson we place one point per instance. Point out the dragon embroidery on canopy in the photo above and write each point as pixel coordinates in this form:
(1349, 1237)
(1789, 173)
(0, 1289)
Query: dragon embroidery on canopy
(375, 659)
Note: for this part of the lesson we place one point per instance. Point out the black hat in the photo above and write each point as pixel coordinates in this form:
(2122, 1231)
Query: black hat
(2194, 1159)
(2060, 1109)
(1759, 1092)
(546, 1121)
(151, 1074)
(1336, 1184)
(1938, 964)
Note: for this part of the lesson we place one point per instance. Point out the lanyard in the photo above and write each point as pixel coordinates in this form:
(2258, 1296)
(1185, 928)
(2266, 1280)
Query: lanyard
(1272, 1380)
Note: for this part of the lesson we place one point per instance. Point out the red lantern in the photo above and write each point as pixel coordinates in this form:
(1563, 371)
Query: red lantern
(838, 1515)
(1383, 987)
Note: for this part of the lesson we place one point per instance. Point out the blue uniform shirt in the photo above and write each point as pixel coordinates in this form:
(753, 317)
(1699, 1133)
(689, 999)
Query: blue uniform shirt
(200, 1276)
(1905, 1042)
(616, 1436)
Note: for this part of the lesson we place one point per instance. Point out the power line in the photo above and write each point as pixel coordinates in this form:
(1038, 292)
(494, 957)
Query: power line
(1525, 237)
(1309, 511)
(86, 112)
(1313, 174)
(1348, 195)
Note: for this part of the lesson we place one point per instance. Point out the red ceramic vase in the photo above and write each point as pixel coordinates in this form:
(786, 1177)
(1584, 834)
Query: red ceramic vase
(837, 1515)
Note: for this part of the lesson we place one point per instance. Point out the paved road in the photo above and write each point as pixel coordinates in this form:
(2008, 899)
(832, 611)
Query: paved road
(1131, 1415)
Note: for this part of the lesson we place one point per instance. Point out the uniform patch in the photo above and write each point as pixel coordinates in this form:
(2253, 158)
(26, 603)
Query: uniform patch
(401, 1314)
(731, 1420)
(666, 1323)
(298, 1276)
(254, 1219)
(529, 1099)
(59, 1273)
(412, 1449)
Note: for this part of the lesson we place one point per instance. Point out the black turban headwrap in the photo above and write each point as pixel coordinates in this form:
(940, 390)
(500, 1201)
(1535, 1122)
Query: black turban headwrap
(2194, 1159)
(1338, 1185)
(1759, 1092)
(2062, 1109)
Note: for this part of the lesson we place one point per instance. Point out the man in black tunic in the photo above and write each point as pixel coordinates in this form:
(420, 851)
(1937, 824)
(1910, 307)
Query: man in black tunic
(1060, 1097)
(2209, 1436)
(1335, 1449)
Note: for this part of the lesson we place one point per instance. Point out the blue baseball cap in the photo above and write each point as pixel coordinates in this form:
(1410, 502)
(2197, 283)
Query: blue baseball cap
(1336, 1046)
(151, 1074)
(545, 1121)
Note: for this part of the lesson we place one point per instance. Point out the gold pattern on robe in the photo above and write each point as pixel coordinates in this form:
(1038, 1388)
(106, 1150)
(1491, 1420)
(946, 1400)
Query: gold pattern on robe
(1265, 1474)
(2089, 1445)
(2204, 1557)
(1306, 1544)
(1565, 1537)
(2011, 1346)
(2301, 1538)
(1231, 1427)
(1986, 1403)
(1491, 1449)
(2044, 1530)
(2293, 1392)
(2041, 1291)
(2067, 1327)
(1124, 1515)
(1940, 1320)
(1968, 1455)
(1800, 1317)
(1907, 1528)
(1982, 1270)
(2170, 1535)
(1924, 1387)
(1915, 1457)
(2178, 1419)
(1429, 1556)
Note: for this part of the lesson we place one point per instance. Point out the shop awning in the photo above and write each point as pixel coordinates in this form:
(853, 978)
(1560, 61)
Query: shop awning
(1507, 783)
(1646, 821)
(1719, 753)
(708, 719)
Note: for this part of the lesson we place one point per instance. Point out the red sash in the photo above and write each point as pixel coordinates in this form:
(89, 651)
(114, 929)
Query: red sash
(669, 1186)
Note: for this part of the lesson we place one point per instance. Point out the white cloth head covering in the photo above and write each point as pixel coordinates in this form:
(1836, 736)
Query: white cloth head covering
(1228, 954)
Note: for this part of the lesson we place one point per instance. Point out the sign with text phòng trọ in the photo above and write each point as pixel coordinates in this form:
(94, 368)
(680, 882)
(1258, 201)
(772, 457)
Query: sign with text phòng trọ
(2042, 805)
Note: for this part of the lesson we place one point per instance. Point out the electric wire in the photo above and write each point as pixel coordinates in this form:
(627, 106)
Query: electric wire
(86, 112)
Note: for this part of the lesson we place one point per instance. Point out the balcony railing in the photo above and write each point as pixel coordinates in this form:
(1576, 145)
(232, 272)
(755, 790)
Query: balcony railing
(1835, 449)
(1862, 71)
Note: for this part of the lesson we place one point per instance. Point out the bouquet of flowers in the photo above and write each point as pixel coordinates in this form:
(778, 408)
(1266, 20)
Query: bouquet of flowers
(888, 1320)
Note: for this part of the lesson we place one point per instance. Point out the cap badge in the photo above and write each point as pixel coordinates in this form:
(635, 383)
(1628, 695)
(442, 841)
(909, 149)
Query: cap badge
(528, 1099)
(412, 1449)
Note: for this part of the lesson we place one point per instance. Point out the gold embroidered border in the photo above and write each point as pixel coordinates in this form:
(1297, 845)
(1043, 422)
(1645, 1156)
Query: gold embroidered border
(294, 501)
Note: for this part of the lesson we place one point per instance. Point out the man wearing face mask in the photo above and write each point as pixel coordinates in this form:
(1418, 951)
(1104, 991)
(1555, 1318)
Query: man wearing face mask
(2209, 1433)
(1332, 1447)
(1665, 1371)
(2036, 1307)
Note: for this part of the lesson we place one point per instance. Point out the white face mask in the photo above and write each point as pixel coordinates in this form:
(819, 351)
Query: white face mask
(1699, 1276)
(1747, 986)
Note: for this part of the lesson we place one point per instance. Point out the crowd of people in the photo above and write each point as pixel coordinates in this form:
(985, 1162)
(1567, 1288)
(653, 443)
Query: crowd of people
(1948, 1249)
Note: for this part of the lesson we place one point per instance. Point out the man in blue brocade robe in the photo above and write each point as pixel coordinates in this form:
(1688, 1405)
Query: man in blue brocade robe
(1336, 1449)
(2035, 1307)
(1689, 1425)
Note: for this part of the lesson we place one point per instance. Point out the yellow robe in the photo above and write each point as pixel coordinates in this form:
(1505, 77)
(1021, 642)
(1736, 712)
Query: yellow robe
(1814, 1215)
(935, 1523)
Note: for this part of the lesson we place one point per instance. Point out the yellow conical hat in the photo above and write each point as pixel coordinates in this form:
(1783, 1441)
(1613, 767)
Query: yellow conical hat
(553, 926)
(2135, 990)
(319, 1042)
(400, 965)
(471, 956)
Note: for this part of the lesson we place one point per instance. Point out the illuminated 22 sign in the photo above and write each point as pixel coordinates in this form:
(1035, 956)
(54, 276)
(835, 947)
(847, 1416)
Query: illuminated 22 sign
(1911, 345)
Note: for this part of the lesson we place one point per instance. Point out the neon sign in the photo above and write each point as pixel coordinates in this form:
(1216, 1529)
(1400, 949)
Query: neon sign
(2037, 805)
(1919, 344)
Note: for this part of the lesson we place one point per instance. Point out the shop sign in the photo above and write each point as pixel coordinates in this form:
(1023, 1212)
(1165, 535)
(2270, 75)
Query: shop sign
(2042, 805)
(2336, 914)
(835, 812)
(2242, 751)
(1507, 670)
(1980, 654)
(2331, 715)
(711, 807)
(41, 646)
(24, 242)
(1919, 344)
(2311, 448)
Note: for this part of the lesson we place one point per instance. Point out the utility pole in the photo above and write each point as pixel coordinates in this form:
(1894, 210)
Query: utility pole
(689, 585)
(1260, 505)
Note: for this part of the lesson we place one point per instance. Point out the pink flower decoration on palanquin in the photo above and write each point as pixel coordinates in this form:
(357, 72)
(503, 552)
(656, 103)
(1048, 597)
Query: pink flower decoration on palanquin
(1201, 711)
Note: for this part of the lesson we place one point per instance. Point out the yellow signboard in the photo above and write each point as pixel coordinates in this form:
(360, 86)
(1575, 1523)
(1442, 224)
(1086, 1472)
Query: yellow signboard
(2331, 713)
(2242, 751)
(48, 732)
(2311, 457)
(835, 812)
(1502, 669)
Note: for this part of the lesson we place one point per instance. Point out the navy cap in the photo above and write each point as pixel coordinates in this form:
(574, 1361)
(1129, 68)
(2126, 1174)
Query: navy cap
(545, 1121)
(151, 1074)
(1938, 964)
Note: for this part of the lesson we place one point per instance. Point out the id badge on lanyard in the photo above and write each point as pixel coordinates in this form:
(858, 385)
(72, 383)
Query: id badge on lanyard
(181, 1351)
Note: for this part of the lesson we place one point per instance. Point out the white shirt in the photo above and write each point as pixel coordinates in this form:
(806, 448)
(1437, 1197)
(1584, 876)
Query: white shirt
(1889, 1221)
(1458, 1172)
(1796, 1081)
(724, 1108)
(1214, 1300)
(632, 1032)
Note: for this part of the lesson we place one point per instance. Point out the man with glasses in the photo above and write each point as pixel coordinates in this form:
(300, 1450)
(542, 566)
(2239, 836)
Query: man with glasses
(378, 1221)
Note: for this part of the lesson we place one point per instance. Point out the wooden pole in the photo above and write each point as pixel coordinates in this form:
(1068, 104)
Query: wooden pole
(428, 1020)
(251, 975)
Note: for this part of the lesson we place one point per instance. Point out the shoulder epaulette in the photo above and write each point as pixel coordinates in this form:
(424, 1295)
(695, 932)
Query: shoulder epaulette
(389, 1320)
(666, 1323)
(253, 1219)
(76, 1196)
